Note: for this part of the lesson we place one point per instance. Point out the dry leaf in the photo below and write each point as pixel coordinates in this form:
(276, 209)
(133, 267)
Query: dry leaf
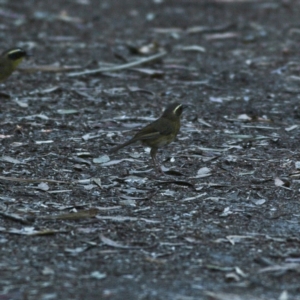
(101, 159)
(203, 172)
(43, 186)
(10, 160)
(194, 48)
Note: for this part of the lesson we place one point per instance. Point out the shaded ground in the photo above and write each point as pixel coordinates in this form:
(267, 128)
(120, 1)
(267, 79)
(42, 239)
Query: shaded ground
(222, 224)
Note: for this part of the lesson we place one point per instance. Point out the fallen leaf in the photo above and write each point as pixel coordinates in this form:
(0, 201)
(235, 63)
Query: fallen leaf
(112, 243)
(43, 142)
(67, 111)
(291, 128)
(43, 186)
(260, 201)
(203, 172)
(216, 99)
(101, 159)
(98, 275)
(194, 48)
(10, 160)
(226, 212)
(221, 36)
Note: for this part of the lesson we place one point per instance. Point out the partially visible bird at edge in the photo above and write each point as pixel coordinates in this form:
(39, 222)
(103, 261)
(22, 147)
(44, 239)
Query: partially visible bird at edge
(9, 60)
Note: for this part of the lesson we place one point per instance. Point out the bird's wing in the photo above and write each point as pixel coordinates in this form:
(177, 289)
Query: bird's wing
(158, 128)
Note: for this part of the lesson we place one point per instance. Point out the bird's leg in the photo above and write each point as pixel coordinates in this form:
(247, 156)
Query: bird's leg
(156, 164)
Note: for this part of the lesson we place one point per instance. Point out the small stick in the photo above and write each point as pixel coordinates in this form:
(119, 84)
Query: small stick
(120, 67)
(32, 180)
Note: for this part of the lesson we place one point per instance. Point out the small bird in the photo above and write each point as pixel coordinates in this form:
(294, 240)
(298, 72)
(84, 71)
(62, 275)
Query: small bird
(9, 60)
(159, 133)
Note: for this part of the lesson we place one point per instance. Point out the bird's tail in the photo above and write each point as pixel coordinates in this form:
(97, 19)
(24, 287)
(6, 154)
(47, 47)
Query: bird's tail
(115, 149)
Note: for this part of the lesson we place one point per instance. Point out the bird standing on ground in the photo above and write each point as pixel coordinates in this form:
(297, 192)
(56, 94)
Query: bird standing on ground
(159, 133)
(9, 60)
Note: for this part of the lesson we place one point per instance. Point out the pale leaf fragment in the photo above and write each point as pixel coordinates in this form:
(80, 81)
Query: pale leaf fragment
(196, 29)
(67, 111)
(291, 128)
(240, 272)
(244, 117)
(59, 191)
(260, 201)
(21, 103)
(10, 160)
(204, 122)
(90, 136)
(43, 142)
(194, 48)
(150, 72)
(83, 154)
(278, 182)
(32, 117)
(112, 243)
(43, 186)
(232, 277)
(49, 90)
(216, 99)
(48, 271)
(2, 136)
(203, 172)
(64, 16)
(97, 181)
(167, 30)
(193, 198)
(226, 212)
(221, 36)
(128, 202)
(233, 239)
(191, 240)
(98, 275)
(75, 251)
(89, 187)
(101, 159)
(284, 295)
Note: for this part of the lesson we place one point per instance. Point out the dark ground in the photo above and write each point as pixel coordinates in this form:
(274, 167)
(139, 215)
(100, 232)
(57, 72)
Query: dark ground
(116, 230)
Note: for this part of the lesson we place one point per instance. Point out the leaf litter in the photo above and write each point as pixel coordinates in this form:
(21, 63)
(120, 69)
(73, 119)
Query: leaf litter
(222, 217)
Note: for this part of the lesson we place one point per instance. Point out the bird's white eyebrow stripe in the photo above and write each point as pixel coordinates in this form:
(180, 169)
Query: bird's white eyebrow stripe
(177, 108)
(14, 51)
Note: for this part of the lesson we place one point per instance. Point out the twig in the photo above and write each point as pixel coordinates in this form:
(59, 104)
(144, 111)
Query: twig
(48, 68)
(32, 180)
(17, 218)
(120, 67)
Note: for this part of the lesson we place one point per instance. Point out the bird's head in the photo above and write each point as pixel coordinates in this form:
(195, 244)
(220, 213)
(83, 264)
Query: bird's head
(173, 111)
(15, 55)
